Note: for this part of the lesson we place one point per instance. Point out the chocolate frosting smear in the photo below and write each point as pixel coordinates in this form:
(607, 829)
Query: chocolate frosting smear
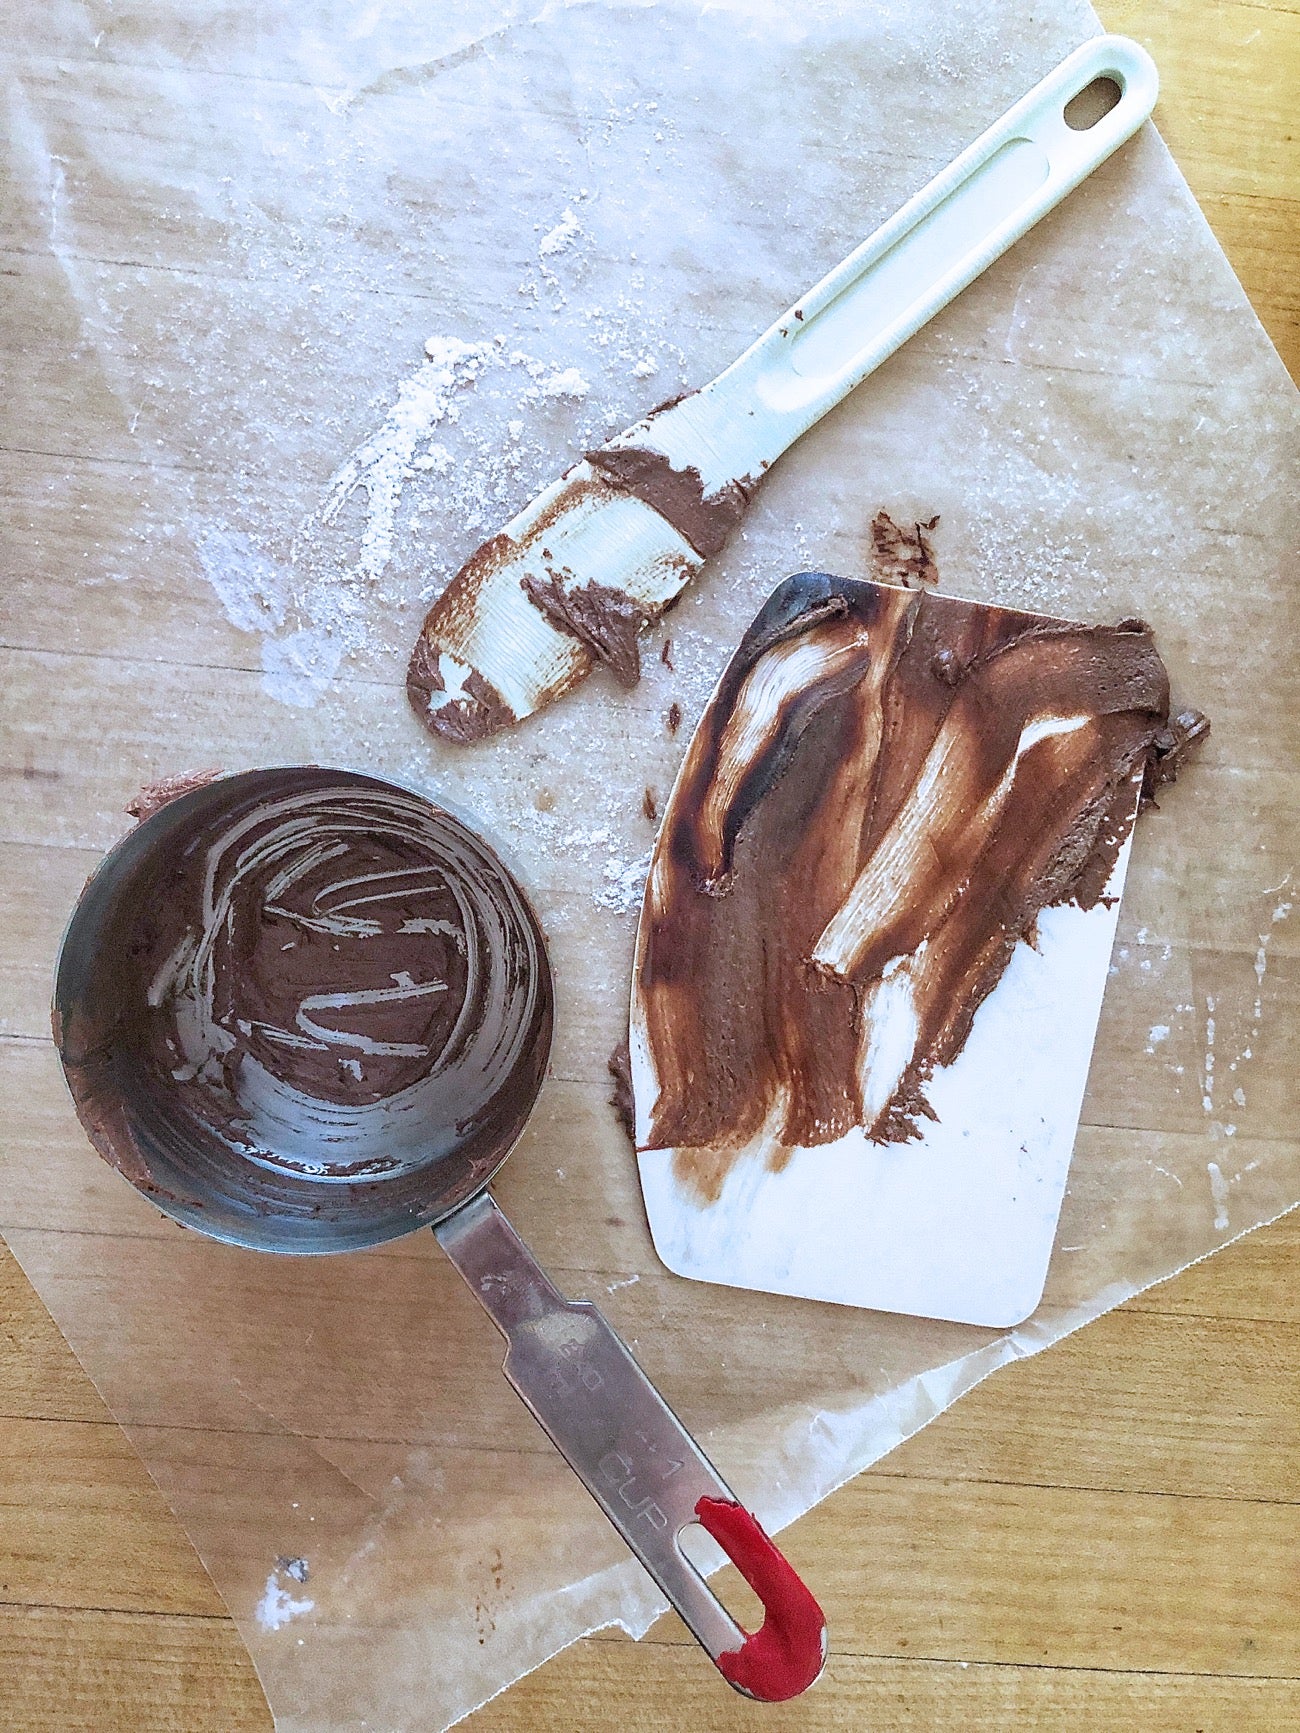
(886, 790)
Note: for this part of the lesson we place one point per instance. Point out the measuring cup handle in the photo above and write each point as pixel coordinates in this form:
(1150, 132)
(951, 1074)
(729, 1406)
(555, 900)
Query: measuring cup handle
(636, 1459)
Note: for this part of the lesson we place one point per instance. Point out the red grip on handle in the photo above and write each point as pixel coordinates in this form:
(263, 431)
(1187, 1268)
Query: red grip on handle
(787, 1654)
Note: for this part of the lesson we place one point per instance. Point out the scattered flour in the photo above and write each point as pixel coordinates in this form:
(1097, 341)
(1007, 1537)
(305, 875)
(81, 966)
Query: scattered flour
(278, 1605)
(1220, 1129)
(567, 382)
(319, 607)
(1207, 1071)
(624, 883)
(383, 463)
(316, 607)
(1157, 1033)
(561, 237)
(1219, 1192)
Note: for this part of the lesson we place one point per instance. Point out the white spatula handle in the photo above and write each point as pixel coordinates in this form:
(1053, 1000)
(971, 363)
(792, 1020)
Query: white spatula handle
(913, 265)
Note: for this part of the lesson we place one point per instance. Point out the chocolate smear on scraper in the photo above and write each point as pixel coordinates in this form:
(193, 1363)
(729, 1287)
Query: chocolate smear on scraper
(876, 807)
(471, 621)
(451, 697)
(1171, 750)
(605, 621)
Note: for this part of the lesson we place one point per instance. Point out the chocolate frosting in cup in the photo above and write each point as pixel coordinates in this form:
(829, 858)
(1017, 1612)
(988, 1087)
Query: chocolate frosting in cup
(304, 1009)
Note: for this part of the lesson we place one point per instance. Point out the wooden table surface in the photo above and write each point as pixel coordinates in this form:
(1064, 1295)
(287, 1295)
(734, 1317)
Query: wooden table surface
(1103, 1536)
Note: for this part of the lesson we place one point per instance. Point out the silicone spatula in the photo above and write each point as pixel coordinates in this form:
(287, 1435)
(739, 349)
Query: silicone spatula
(606, 548)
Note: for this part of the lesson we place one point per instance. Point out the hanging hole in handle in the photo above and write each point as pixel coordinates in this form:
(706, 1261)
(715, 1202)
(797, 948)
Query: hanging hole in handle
(1092, 104)
(698, 1547)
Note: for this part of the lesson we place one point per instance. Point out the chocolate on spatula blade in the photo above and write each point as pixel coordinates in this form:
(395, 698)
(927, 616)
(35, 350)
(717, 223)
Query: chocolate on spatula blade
(572, 578)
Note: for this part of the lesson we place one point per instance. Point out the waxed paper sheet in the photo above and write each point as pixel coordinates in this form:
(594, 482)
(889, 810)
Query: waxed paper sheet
(304, 300)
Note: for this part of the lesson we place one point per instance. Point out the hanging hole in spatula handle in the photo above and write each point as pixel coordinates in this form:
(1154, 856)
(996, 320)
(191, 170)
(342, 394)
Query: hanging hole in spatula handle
(788, 1651)
(1093, 103)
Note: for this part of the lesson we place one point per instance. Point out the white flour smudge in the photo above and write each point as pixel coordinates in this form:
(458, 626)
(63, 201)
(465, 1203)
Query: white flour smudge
(382, 465)
(567, 382)
(1219, 1192)
(253, 590)
(258, 595)
(1157, 1033)
(624, 883)
(1280, 913)
(561, 237)
(278, 1605)
(1209, 1070)
(298, 667)
(1261, 969)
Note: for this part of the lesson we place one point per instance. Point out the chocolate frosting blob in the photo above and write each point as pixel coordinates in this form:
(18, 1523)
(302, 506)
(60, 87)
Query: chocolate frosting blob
(303, 1010)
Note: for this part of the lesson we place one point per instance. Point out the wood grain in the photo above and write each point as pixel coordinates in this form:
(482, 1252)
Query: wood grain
(1227, 109)
(1104, 1536)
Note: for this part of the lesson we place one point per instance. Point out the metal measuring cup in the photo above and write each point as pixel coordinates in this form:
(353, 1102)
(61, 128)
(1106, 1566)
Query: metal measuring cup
(240, 1048)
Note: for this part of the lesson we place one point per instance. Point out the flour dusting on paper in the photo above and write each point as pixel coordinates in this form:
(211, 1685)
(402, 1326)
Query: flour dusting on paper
(321, 604)
(382, 465)
(1219, 1193)
(624, 883)
(258, 595)
(560, 237)
(279, 1605)
(254, 591)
